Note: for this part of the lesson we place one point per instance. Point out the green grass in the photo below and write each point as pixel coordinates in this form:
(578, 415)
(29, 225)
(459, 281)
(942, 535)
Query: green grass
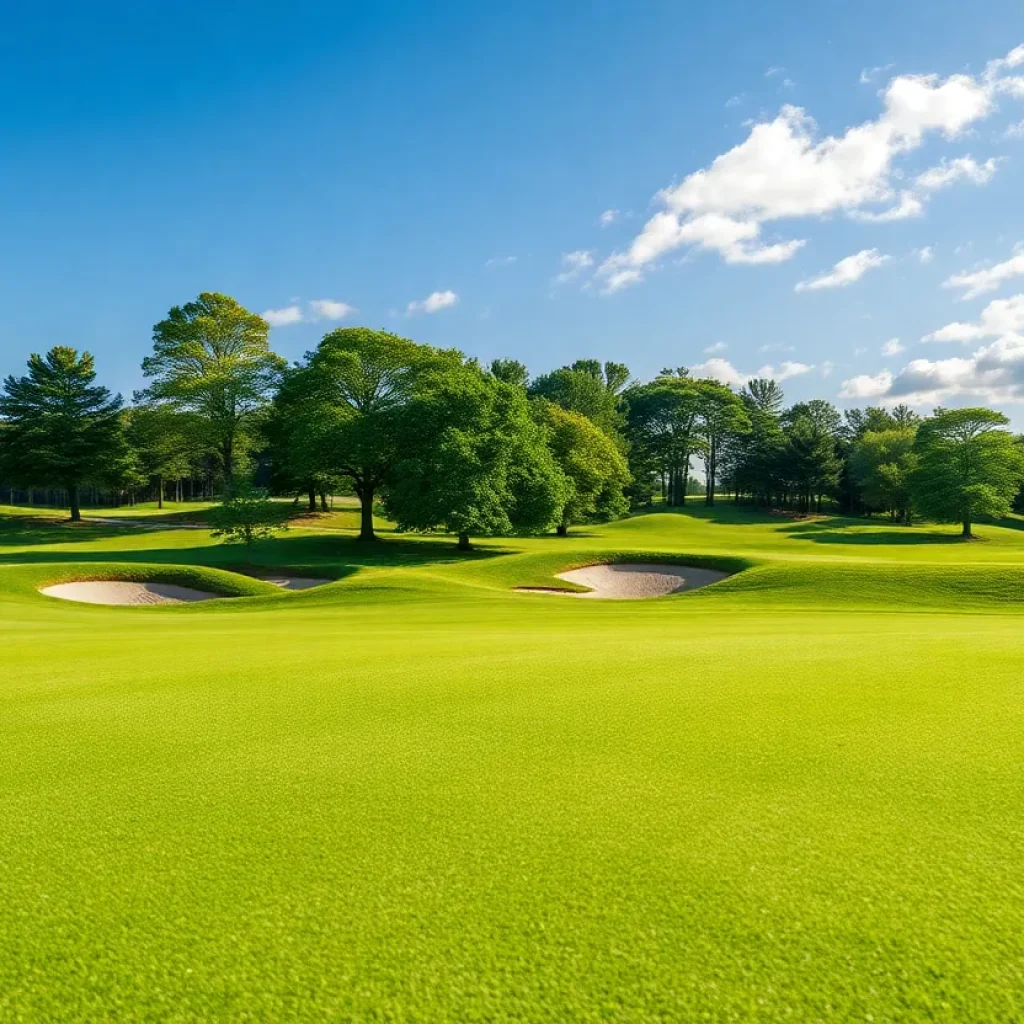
(417, 795)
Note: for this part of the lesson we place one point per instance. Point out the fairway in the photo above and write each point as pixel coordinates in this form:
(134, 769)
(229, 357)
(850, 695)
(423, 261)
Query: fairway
(417, 795)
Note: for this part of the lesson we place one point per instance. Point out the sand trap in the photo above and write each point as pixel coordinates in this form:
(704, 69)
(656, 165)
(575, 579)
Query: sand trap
(634, 580)
(124, 592)
(294, 582)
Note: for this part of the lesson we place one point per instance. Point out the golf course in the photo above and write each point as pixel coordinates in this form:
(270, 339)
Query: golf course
(417, 793)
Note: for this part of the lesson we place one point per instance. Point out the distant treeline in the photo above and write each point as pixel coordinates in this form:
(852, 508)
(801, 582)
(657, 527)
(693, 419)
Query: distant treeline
(444, 443)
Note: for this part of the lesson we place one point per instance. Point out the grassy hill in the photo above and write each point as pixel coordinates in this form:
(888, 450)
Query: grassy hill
(417, 795)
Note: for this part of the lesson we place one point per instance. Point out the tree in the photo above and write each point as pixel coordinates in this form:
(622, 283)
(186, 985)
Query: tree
(160, 439)
(211, 357)
(721, 414)
(248, 515)
(663, 431)
(587, 388)
(968, 466)
(355, 390)
(883, 463)
(511, 371)
(473, 461)
(595, 470)
(810, 460)
(59, 425)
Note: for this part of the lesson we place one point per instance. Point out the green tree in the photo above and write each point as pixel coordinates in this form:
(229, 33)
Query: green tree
(211, 357)
(589, 389)
(721, 415)
(511, 371)
(352, 396)
(160, 438)
(595, 470)
(248, 516)
(663, 431)
(59, 425)
(473, 461)
(810, 460)
(968, 466)
(883, 463)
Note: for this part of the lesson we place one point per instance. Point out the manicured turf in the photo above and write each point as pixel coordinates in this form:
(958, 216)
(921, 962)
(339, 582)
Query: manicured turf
(416, 795)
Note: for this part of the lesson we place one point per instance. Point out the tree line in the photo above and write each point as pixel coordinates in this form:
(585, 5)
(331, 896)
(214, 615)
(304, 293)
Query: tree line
(440, 442)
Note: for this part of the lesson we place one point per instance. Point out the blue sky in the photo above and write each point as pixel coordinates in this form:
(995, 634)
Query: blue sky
(442, 170)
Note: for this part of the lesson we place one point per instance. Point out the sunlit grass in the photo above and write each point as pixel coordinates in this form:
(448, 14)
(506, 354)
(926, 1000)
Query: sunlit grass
(417, 795)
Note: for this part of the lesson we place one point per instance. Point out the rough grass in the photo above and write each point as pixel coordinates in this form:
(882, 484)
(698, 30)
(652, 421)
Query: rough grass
(416, 795)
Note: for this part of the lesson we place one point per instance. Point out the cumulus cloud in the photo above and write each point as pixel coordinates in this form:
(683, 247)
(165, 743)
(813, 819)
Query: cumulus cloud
(868, 75)
(988, 279)
(925, 254)
(785, 170)
(433, 303)
(993, 374)
(608, 217)
(724, 371)
(948, 172)
(1001, 318)
(330, 309)
(866, 386)
(283, 317)
(574, 264)
(893, 347)
(1014, 131)
(845, 272)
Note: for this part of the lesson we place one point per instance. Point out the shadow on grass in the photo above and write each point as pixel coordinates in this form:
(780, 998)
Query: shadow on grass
(337, 552)
(828, 533)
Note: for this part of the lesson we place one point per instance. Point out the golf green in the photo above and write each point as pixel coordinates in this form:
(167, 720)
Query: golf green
(416, 794)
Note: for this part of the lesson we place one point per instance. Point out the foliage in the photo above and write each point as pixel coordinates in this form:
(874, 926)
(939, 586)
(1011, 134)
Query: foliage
(247, 516)
(350, 401)
(59, 425)
(212, 357)
(883, 463)
(968, 466)
(595, 470)
(472, 461)
(589, 389)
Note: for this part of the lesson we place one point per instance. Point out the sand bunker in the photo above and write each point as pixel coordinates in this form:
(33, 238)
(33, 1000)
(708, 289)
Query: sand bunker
(634, 580)
(125, 592)
(294, 582)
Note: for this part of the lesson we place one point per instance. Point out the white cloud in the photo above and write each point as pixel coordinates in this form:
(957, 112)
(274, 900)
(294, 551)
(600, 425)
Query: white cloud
(719, 346)
(724, 371)
(868, 75)
(826, 368)
(908, 206)
(330, 309)
(845, 272)
(988, 279)
(893, 347)
(283, 317)
(948, 172)
(1014, 131)
(1001, 318)
(992, 374)
(500, 261)
(785, 170)
(574, 264)
(608, 217)
(925, 254)
(773, 71)
(734, 101)
(866, 386)
(433, 303)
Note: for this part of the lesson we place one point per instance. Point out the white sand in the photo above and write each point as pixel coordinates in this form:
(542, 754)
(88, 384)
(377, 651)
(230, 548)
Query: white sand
(124, 592)
(634, 580)
(294, 582)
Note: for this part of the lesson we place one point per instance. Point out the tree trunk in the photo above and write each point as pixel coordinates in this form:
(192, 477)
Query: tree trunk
(366, 514)
(159, 492)
(966, 531)
(323, 502)
(229, 466)
(464, 544)
(312, 499)
(76, 512)
(562, 529)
